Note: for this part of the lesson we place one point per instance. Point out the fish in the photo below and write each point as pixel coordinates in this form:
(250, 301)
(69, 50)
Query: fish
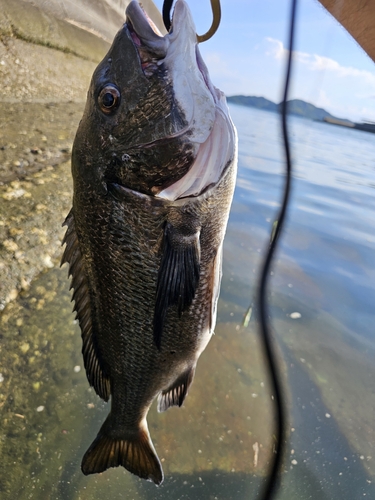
(154, 165)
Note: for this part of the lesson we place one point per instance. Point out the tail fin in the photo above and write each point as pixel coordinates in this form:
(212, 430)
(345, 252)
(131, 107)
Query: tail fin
(133, 450)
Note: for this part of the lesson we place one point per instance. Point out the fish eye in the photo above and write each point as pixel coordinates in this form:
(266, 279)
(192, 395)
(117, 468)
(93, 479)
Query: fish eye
(109, 98)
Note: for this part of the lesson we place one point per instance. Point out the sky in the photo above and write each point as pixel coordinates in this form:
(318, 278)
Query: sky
(247, 55)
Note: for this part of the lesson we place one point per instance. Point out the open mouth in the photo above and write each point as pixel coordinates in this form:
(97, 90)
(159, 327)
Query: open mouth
(152, 46)
(203, 106)
(149, 59)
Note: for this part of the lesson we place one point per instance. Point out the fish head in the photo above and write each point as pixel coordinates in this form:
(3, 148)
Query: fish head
(150, 107)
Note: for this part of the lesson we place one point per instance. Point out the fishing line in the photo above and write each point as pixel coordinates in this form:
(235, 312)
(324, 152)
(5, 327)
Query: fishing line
(273, 481)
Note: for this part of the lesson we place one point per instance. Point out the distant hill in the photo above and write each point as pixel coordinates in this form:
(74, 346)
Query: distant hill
(295, 107)
(254, 102)
(307, 110)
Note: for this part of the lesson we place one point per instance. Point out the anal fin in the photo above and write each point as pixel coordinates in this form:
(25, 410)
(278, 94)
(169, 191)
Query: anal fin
(133, 450)
(178, 275)
(176, 393)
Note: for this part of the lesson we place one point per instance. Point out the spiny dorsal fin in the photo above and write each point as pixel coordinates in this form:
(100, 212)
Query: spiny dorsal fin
(176, 393)
(72, 255)
(178, 274)
(133, 449)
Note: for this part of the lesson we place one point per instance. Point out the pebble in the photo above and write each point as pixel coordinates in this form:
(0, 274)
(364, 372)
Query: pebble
(13, 294)
(24, 347)
(19, 255)
(295, 315)
(15, 231)
(25, 283)
(40, 408)
(47, 261)
(16, 193)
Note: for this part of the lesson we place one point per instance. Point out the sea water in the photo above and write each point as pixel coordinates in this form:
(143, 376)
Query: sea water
(218, 445)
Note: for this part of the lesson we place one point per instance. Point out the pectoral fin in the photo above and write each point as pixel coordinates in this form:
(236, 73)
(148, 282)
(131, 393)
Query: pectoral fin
(178, 273)
(72, 254)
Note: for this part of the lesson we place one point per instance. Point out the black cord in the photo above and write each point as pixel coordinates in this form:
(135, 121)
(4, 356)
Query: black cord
(273, 481)
(167, 6)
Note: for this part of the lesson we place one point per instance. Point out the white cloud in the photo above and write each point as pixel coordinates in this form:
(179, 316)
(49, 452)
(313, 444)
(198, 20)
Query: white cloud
(277, 49)
(314, 62)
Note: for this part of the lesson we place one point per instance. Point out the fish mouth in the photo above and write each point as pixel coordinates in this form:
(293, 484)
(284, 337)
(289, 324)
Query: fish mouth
(209, 126)
(151, 45)
(153, 48)
(178, 53)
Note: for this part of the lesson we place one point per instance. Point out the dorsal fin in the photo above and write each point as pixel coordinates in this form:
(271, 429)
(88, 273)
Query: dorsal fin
(178, 275)
(72, 255)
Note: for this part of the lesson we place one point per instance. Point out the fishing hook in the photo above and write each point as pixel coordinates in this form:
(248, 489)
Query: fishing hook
(216, 14)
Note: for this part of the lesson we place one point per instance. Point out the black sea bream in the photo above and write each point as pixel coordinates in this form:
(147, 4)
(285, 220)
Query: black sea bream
(154, 166)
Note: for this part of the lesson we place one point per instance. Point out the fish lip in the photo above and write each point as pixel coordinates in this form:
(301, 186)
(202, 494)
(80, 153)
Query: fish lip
(143, 35)
(146, 39)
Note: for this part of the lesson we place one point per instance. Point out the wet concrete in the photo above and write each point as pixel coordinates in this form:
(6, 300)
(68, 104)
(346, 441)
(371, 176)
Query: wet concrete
(32, 212)
(34, 136)
(49, 50)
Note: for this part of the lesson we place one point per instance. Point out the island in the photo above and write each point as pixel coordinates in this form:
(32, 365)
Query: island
(301, 108)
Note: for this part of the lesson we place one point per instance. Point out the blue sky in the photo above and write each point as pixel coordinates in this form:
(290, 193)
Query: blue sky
(246, 56)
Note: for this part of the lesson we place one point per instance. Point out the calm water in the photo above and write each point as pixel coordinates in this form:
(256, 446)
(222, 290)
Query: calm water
(218, 445)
